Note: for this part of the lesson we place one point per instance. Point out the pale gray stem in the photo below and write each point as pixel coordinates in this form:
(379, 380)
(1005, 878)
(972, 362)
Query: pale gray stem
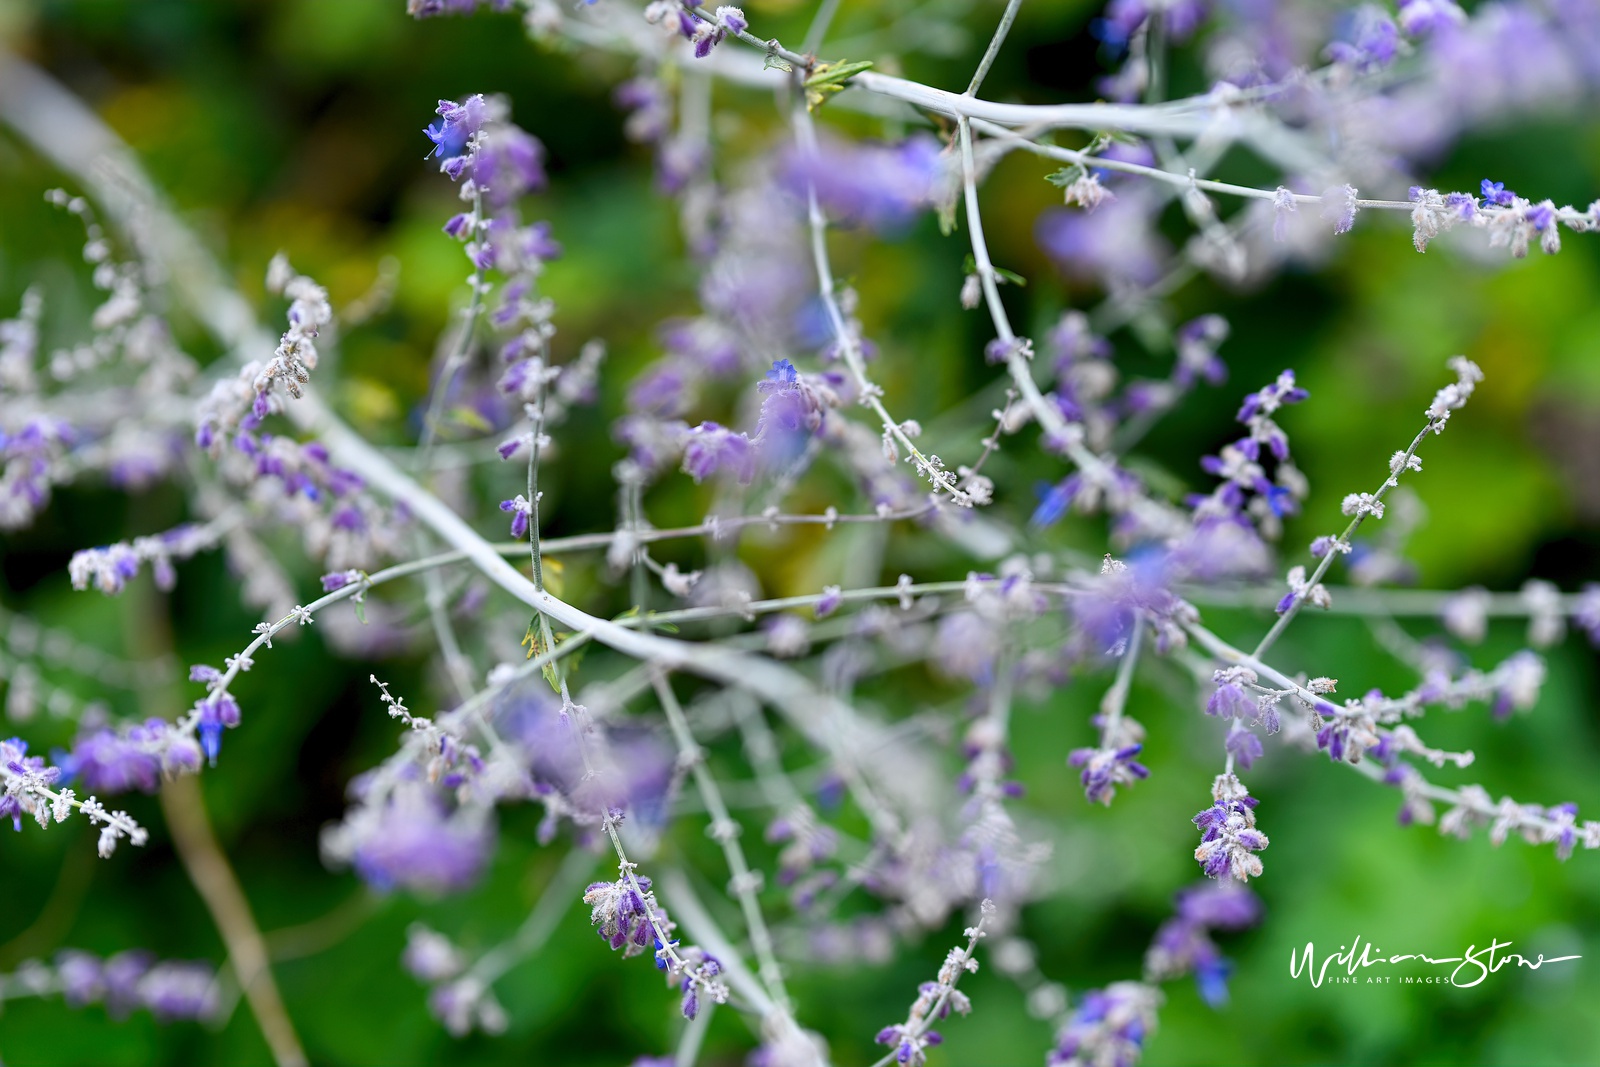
(989, 54)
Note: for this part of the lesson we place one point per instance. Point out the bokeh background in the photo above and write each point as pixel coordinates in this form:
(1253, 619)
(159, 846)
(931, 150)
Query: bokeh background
(296, 125)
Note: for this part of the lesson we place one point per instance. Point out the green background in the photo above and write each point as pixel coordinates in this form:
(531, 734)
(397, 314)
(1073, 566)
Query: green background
(296, 125)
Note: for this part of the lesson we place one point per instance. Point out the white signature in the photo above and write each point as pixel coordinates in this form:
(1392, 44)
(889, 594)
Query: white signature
(1477, 963)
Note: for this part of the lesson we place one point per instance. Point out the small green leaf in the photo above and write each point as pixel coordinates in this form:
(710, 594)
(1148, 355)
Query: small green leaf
(535, 645)
(1066, 175)
(970, 266)
(827, 79)
(834, 74)
(470, 418)
(1011, 276)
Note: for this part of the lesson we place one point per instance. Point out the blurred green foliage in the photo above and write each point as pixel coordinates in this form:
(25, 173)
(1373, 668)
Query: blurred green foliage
(296, 125)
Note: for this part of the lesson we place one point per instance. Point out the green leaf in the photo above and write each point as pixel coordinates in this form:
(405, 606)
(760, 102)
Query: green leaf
(829, 78)
(834, 74)
(970, 266)
(470, 418)
(535, 645)
(1066, 175)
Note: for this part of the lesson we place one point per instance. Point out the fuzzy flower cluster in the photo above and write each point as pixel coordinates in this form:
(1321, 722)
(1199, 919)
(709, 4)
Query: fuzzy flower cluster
(170, 990)
(1246, 493)
(1109, 1026)
(1183, 944)
(296, 356)
(626, 914)
(1511, 221)
(909, 1041)
(35, 788)
(1229, 838)
(109, 568)
(685, 19)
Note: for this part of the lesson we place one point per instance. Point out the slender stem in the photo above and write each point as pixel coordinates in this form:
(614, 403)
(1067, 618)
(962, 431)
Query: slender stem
(183, 804)
(819, 26)
(1299, 600)
(849, 349)
(705, 932)
(326, 930)
(566, 885)
(726, 832)
(456, 663)
(989, 54)
(459, 351)
(1155, 51)
(1058, 431)
(1355, 600)
(1116, 698)
(926, 1022)
(1072, 155)
(694, 1035)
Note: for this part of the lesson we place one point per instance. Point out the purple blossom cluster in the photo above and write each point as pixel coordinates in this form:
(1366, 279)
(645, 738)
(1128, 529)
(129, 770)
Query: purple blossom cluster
(135, 980)
(1109, 1026)
(627, 915)
(1229, 838)
(1183, 944)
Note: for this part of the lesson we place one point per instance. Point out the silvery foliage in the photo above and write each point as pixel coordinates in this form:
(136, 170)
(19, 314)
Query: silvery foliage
(902, 820)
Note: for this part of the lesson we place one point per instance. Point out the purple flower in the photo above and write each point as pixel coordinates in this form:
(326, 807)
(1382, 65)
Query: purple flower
(217, 711)
(1106, 768)
(1230, 701)
(1109, 1027)
(714, 448)
(790, 413)
(966, 646)
(409, 841)
(121, 976)
(430, 956)
(878, 186)
(172, 990)
(1229, 838)
(519, 509)
(1339, 207)
(1371, 41)
(1495, 194)
(1566, 833)
(1224, 905)
(1180, 18)
(1055, 500)
(107, 763)
(510, 162)
(1197, 343)
(1243, 745)
(626, 916)
(1420, 18)
(1540, 216)
(331, 583)
(458, 124)
(81, 977)
(1116, 244)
